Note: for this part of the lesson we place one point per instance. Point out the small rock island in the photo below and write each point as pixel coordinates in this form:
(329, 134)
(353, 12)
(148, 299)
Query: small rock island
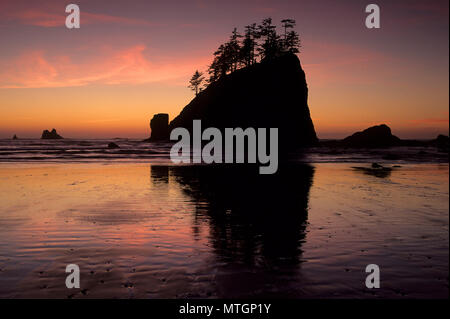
(159, 126)
(113, 145)
(372, 137)
(50, 135)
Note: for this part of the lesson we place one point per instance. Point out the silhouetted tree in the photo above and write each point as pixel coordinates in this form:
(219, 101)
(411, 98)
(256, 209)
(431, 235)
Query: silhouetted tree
(292, 43)
(272, 45)
(196, 81)
(220, 65)
(233, 50)
(291, 40)
(287, 24)
(248, 56)
(226, 58)
(235, 53)
(213, 71)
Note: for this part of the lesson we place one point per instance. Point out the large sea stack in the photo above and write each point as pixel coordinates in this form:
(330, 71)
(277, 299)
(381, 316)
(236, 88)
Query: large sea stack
(269, 94)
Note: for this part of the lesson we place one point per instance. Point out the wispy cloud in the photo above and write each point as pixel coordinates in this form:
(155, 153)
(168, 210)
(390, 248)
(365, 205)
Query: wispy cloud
(127, 66)
(48, 19)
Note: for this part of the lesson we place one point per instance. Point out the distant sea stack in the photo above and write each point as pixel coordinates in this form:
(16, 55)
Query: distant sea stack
(52, 135)
(373, 137)
(159, 126)
(441, 142)
(269, 94)
(15, 137)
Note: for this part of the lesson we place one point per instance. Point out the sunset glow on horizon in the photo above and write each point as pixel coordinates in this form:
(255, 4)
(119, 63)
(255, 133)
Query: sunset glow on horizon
(129, 61)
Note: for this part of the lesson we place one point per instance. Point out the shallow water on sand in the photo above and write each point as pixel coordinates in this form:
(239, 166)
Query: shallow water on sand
(146, 231)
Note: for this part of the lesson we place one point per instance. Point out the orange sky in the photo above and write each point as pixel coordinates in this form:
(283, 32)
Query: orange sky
(127, 62)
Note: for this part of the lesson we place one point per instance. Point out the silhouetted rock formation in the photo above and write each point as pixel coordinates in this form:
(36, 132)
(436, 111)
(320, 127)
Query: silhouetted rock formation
(441, 142)
(270, 94)
(46, 135)
(14, 137)
(375, 136)
(159, 126)
(113, 145)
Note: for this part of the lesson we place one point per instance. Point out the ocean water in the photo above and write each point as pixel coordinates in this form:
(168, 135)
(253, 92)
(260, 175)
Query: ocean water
(132, 150)
(80, 150)
(141, 227)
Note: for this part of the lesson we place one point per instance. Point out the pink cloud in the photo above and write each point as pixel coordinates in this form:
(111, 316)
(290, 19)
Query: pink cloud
(126, 66)
(92, 18)
(48, 19)
(39, 18)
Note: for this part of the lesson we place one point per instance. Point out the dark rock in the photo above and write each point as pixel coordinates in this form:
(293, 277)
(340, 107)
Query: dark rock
(270, 94)
(113, 145)
(375, 170)
(159, 126)
(442, 139)
(46, 135)
(375, 136)
(15, 137)
(441, 142)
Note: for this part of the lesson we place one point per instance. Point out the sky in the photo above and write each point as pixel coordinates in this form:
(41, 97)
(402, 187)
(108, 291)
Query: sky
(132, 59)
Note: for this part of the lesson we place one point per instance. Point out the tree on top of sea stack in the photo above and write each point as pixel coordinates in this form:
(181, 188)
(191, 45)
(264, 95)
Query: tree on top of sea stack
(259, 41)
(272, 45)
(196, 81)
(291, 40)
(247, 52)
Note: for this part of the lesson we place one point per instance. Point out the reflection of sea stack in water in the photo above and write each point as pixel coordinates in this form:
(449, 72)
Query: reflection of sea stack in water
(375, 136)
(269, 94)
(258, 222)
(159, 126)
(52, 135)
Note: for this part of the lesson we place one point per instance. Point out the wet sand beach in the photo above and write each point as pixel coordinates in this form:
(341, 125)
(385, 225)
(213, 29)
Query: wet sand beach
(139, 230)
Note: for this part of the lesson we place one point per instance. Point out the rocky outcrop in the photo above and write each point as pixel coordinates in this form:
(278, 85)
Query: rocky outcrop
(375, 136)
(270, 94)
(113, 145)
(15, 137)
(52, 135)
(159, 126)
(441, 142)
